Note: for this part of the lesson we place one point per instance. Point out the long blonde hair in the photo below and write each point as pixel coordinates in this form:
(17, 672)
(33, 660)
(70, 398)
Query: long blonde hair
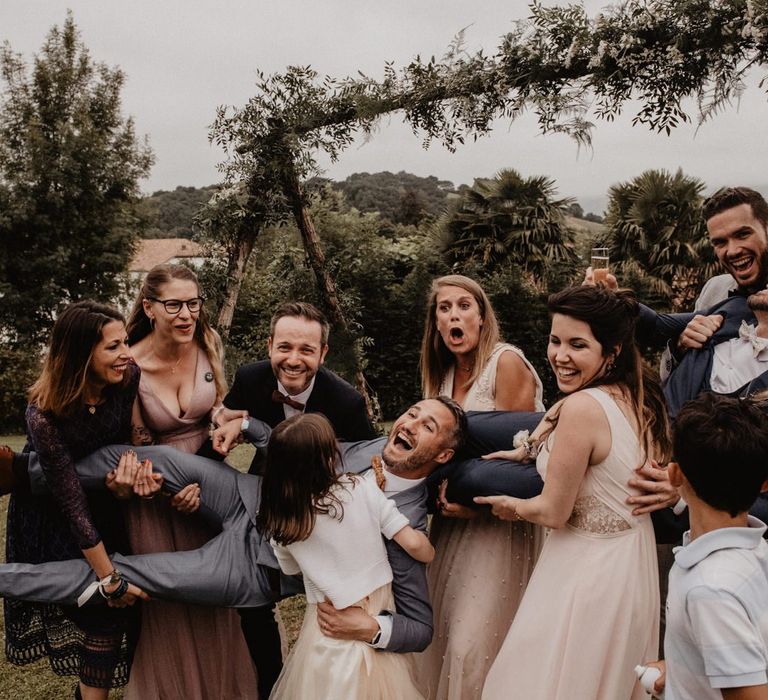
(436, 358)
(140, 326)
(61, 386)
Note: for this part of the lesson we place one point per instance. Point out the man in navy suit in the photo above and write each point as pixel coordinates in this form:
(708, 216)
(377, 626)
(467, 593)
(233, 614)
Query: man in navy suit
(720, 350)
(737, 224)
(293, 380)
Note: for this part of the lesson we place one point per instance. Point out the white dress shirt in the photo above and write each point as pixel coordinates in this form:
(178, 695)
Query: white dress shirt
(738, 361)
(394, 484)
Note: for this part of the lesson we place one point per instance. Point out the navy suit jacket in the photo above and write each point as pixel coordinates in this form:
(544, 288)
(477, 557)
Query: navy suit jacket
(341, 404)
(469, 476)
(690, 378)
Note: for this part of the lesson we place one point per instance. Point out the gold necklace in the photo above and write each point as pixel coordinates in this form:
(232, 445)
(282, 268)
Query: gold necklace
(91, 406)
(175, 365)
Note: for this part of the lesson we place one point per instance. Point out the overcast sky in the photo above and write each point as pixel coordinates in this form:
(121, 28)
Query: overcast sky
(183, 58)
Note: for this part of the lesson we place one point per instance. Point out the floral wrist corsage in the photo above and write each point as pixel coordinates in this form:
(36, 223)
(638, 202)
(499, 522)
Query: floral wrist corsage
(523, 439)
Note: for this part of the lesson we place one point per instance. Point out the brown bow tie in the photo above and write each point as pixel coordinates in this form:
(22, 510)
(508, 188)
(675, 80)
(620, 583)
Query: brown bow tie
(279, 397)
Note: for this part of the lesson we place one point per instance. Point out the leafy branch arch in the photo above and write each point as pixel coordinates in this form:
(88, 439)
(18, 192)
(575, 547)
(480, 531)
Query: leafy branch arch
(559, 63)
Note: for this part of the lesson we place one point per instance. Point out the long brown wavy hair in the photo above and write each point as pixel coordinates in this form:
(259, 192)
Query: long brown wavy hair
(299, 474)
(139, 325)
(64, 377)
(436, 358)
(612, 317)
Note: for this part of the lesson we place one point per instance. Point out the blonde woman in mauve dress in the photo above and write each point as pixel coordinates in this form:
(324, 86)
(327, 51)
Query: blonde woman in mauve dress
(482, 565)
(590, 613)
(185, 651)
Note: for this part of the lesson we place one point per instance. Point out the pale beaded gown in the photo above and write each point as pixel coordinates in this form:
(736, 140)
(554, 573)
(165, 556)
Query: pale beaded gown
(591, 611)
(185, 651)
(478, 576)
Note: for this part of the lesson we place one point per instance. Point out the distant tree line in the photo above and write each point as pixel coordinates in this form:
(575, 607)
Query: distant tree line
(172, 214)
(398, 198)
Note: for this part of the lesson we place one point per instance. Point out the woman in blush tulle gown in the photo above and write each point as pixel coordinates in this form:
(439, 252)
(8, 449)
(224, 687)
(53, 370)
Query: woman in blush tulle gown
(190, 651)
(591, 609)
(481, 565)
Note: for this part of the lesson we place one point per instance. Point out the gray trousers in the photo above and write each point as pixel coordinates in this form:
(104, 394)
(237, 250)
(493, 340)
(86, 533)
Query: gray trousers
(231, 570)
(226, 571)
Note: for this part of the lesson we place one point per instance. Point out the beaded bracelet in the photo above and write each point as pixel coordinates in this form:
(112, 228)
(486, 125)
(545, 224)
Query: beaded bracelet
(113, 577)
(119, 592)
(110, 579)
(531, 449)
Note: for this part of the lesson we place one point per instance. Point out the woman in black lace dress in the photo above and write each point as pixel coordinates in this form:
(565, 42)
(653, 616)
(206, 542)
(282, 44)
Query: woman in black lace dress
(81, 401)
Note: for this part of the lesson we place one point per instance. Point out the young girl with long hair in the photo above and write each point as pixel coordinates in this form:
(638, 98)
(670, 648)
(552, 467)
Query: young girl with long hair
(590, 612)
(329, 526)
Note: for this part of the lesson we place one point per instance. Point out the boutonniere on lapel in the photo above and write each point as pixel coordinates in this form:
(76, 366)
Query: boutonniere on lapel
(209, 376)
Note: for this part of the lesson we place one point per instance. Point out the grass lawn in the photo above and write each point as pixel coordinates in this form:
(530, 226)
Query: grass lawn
(36, 681)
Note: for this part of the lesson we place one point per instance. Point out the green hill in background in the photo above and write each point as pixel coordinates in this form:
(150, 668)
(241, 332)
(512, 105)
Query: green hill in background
(401, 198)
(170, 214)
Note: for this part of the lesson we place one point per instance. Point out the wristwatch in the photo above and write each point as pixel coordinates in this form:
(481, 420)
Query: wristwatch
(244, 425)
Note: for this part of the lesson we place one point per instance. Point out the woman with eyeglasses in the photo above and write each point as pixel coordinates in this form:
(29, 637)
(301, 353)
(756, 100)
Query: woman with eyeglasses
(187, 651)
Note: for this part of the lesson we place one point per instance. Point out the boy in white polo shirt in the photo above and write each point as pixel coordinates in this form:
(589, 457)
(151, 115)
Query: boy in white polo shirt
(716, 642)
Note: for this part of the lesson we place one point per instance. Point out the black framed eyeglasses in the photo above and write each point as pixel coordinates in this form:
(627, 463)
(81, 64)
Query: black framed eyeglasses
(173, 306)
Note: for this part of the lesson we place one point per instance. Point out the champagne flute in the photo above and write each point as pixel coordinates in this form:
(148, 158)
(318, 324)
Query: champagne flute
(599, 262)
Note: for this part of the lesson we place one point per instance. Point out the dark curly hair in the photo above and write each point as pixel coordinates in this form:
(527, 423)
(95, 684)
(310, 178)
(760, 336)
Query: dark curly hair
(721, 445)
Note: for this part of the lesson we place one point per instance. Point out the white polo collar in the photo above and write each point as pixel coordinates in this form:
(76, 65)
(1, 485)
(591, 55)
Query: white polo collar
(692, 552)
(396, 484)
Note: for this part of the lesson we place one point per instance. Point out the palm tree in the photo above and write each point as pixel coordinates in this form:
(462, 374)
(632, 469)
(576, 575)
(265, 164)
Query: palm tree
(658, 237)
(507, 219)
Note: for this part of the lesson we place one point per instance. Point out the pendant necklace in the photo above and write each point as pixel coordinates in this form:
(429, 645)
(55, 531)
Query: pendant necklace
(173, 367)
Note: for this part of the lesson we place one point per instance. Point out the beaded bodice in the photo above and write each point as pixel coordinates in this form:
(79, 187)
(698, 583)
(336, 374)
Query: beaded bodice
(600, 506)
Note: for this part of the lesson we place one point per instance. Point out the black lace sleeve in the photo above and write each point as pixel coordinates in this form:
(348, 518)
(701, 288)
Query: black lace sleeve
(58, 466)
